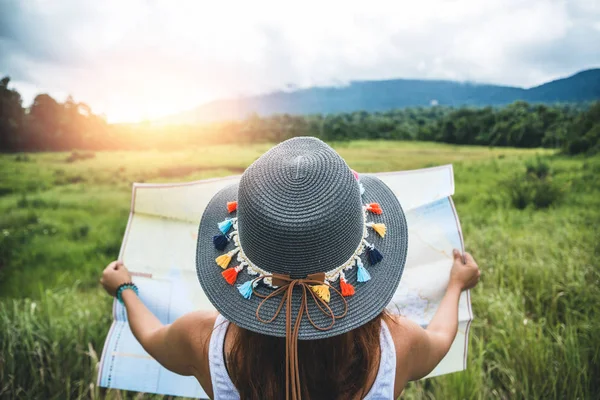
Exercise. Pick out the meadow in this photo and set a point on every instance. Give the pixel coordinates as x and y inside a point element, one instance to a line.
<point>530,217</point>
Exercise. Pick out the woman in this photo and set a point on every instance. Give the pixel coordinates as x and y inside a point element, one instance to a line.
<point>300,258</point>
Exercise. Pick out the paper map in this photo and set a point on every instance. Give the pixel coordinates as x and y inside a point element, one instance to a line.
<point>159,247</point>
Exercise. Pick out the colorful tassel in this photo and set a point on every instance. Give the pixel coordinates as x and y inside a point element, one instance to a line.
<point>379,228</point>
<point>223,260</point>
<point>346,288</point>
<point>362,188</point>
<point>224,226</point>
<point>375,208</point>
<point>220,241</point>
<point>245,288</point>
<point>230,274</point>
<point>374,255</point>
<point>231,206</point>
<point>355,175</point>
<point>322,291</point>
<point>362,275</point>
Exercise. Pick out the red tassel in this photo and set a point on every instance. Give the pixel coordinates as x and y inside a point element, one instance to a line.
<point>230,275</point>
<point>232,206</point>
<point>375,208</point>
<point>347,289</point>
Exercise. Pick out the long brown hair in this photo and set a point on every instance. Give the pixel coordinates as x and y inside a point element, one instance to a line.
<point>332,368</point>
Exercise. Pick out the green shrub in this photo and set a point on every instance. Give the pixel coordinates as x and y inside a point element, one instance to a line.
<point>519,191</point>
<point>540,193</point>
<point>546,193</point>
<point>539,168</point>
<point>23,201</point>
<point>76,156</point>
<point>80,232</point>
<point>63,179</point>
<point>536,187</point>
<point>22,158</point>
<point>5,190</point>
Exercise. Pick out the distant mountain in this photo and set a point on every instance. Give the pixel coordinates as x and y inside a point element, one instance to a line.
<point>389,94</point>
<point>583,86</point>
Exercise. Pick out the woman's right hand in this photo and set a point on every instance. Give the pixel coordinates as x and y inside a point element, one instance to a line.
<point>115,274</point>
<point>465,274</point>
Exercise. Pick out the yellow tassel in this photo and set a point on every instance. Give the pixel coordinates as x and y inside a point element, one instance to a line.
<point>223,260</point>
<point>380,229</point>
<point>322,291</point>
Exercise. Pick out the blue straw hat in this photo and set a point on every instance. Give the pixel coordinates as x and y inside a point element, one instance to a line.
<point>302,235</point>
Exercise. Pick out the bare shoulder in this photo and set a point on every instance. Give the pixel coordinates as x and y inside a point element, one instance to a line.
<point>196,326</point>
<point>406,334</point>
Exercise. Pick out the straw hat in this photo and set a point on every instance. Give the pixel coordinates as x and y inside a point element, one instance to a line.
<point>304,233</point>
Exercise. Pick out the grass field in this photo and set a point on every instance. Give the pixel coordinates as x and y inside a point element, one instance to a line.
<point>536,329</point>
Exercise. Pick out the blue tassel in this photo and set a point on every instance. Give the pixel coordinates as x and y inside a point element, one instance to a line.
<point>362,188</point>
<point>224,226</point>
<point>362,275</point>
<point>220,241</point>
<point>374,255</point>
<point>245,289</point>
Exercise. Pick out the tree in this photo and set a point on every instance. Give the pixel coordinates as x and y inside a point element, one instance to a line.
<point>584,135</point>
<point>44,124</point>
<point>11,116</point>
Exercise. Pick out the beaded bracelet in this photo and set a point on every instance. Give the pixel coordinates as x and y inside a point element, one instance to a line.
<point>123,287</point>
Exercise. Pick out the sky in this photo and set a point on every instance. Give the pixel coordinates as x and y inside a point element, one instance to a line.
<point>133,60</point>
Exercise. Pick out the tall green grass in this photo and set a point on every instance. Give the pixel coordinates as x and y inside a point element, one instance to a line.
<point>536,329</point>
<point>50,345</point>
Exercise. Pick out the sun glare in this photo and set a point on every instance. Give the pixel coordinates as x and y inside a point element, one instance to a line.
<point>135,109</point>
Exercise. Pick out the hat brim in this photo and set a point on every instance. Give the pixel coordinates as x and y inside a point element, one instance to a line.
<point>370,297</point>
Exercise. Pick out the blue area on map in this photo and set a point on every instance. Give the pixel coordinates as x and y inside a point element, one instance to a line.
<point>442,214</point>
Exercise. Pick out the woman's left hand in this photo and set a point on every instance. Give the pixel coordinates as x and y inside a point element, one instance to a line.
<point>115,274</point>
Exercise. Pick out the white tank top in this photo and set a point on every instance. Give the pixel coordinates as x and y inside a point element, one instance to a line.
<point>223,388</point>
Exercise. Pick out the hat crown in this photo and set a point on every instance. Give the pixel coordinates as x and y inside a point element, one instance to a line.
<point>299,209</point>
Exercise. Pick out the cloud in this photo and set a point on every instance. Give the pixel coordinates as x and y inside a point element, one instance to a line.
<point>139,58</point>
